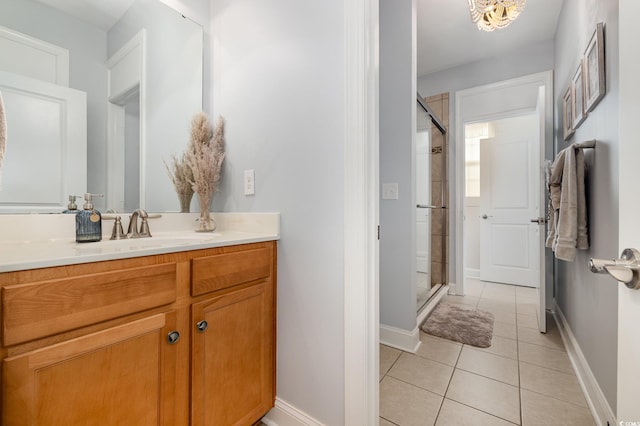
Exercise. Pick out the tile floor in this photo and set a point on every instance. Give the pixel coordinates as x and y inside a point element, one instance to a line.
<point>524,378</point>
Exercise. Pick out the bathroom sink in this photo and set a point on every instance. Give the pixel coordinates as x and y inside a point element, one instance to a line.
<point>166,239</point>
<point>157,241</point>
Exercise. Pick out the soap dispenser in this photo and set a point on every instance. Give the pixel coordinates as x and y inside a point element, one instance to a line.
<point>72,208</point>
<point>88,221</point>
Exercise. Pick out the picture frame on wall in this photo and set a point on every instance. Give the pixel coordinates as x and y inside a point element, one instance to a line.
<point>595,78</point>
<point>567,113</point>
<point>578,101</point>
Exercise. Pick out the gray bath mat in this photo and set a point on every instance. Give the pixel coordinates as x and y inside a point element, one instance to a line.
<point>469,326</point>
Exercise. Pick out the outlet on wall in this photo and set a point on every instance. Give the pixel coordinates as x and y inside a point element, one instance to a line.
<point>249,182</point>
<point>389,191</point>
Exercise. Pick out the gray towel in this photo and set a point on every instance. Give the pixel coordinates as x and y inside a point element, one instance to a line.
<point>568,207</point>
<point>3,136</point>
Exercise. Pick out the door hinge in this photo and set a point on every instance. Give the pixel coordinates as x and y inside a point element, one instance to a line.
<point>378,232</point>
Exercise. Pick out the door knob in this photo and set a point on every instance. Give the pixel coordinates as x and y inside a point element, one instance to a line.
<point>539,221</point>
<point>626,269</point>
<point>485,216</point>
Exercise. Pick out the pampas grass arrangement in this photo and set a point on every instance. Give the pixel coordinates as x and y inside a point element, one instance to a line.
<point>204,156</point>
<point>181,176</point>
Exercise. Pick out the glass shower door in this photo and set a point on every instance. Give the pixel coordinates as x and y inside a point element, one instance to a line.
<point>423,202</point>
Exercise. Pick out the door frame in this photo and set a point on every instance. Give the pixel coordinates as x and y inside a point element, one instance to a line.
<point>361,213</point>
<point>126,74</point>
<point>462,115</point>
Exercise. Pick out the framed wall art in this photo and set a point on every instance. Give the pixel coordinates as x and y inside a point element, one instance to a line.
<point>567,113</point>
<point>594,72</point>
<point>578,105</point>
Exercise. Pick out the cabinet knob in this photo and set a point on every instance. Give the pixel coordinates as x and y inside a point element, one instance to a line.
<point>202,326</point>
<point>173,337</point>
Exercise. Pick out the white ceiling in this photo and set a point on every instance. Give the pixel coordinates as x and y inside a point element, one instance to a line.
<point>447,37</point>
<point>101,13</point>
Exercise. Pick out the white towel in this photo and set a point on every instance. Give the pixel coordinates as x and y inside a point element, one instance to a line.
<point>3,136</point>
<point>567,205</point>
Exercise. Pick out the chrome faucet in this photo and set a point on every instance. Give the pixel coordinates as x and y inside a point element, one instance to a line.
<point>134,231</point>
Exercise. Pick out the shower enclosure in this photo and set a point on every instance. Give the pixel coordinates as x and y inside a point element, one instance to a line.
<point>431,208</point>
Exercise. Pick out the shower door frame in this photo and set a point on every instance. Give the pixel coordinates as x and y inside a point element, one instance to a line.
<point>435,121</point>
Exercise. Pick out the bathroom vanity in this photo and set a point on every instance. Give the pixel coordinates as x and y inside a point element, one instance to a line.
<point>173,333</point>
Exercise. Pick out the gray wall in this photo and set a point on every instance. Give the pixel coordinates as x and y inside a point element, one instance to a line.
<point>589,301</point>
<point>278,70</point>
<point>87,47</point>
<point>527,60</point>
<point>397,134</point>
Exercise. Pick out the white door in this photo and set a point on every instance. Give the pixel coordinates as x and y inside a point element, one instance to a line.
<point>542,199</point>
<point>46,154</point>
<point>509,199</point>
<point>628,409</point>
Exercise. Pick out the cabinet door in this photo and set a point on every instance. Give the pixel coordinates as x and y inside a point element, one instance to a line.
<point>124,375</point>
<point>233,357</point>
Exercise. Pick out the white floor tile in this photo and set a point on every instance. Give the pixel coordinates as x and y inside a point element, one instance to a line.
<point>440,350</point>
<point>524,376</point>
<point>424,373</point>
<point>551,383</point>
<point>489,365</point>
<point>493,397</point>
<point>531,335</point>
<point>542,410</point>
<point>405,404</point>
<point>545,357</point>
<point>505,329</point>
<point>388,356</point>
<point>502,346</point>
<point>529,321</point>
<point>453,413</point>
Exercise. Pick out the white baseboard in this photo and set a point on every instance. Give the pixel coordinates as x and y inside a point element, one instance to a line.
<point>600,408</point>
<point>472,273</point>
<point>285,414</point>
<point>408,341</point>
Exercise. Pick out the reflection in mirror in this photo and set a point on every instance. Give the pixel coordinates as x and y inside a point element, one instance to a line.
<point>137,75</point>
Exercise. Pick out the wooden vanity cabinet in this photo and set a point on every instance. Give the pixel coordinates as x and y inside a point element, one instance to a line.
<point>233,342</point>
<point>121,375</point>
<point>167,348</point>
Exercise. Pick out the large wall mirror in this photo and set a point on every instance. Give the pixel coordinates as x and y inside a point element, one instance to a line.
<point>97,98</point>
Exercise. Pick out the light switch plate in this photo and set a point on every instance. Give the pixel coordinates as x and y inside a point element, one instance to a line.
<point>249,182</point>
<point>389,191</point>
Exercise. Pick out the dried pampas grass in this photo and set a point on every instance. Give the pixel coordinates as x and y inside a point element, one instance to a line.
<point>181,176</point>
<point>3,136</point>
<point>198,169</point>
<point>204,156</point>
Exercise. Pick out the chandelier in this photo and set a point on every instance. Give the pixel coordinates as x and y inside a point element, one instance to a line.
<point>494,14</point>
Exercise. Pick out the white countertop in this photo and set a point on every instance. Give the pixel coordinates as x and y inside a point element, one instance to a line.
<point>39,241</point>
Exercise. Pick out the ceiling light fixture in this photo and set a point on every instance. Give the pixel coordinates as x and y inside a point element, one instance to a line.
<point>490,15</point>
